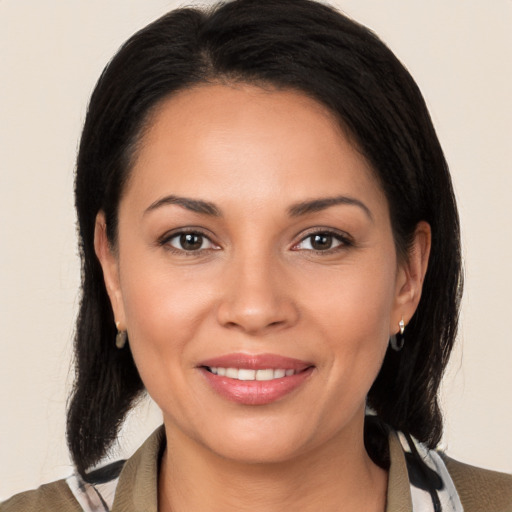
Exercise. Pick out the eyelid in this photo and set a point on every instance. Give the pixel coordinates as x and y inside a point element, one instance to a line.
<point>169,235</point>
<point>343,237</point>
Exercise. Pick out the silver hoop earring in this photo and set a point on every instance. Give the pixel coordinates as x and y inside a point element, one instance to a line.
<point>397,341</point>
<point>121,337</point>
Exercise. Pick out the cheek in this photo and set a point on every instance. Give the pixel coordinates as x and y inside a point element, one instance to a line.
<point>163,310</point>
<point>354,303</point>
<point>352,310</point>
<point>164,313</point>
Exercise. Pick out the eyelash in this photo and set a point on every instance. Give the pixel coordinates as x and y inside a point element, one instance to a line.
<point>343,238</point>
<point>165,241</point>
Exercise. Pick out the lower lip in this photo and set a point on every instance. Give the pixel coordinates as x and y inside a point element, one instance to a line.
<point>255,392</point>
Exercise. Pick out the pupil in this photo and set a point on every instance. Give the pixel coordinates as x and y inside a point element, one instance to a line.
<point>191,241</point>
<point>321,242</point>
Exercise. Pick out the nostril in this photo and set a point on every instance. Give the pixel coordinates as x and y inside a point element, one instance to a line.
<point>254,315</point>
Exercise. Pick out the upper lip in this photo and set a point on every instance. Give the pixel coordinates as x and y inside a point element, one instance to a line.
<point>256,362</point>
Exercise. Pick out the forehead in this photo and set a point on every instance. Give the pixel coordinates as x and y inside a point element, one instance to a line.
<point>230,141</point>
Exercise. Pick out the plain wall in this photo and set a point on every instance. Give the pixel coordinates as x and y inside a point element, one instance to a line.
<point>51,54</point>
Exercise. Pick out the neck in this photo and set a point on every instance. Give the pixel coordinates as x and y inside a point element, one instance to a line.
<point>337,476</point>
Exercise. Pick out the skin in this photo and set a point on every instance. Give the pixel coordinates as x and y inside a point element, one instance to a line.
<point>257,286</point>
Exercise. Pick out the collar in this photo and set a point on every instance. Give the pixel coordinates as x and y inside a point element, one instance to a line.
<point>138,481</point>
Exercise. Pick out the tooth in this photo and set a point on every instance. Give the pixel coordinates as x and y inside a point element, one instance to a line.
<point>265,374</point>
<point>232,373</point>
<point>244,374</point>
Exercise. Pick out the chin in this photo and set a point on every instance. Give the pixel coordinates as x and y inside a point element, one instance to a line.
<point>258,452</point>
<point>266,441</point>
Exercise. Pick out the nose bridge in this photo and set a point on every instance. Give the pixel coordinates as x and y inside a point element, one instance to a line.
<point>256,298</point>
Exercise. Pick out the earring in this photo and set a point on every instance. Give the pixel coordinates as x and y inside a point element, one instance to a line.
<point>397,341</point>
<point>121,337</point>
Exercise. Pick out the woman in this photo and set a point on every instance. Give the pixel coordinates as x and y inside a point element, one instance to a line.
<point>270,247</point>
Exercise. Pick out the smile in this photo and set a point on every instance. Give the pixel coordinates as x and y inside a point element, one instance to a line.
<point>258,379</point>
<point>248,374</point>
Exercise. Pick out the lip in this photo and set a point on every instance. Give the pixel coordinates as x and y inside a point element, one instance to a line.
<point>257,362</point>
<point>255,392</point>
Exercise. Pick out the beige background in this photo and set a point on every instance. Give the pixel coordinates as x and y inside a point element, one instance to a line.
<point>52,52</point>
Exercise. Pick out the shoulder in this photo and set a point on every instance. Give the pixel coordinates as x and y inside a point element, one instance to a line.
<point>480,490</point>
<point>137,479</point>
<point>72,494</point>
<point>53,496</point>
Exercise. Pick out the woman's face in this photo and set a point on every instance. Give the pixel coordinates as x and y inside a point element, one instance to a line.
<point>255,273</point>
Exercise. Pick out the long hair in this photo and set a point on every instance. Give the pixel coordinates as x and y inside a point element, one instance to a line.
<point>289,44</point>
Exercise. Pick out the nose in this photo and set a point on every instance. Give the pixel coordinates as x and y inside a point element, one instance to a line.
<point>258,297</point>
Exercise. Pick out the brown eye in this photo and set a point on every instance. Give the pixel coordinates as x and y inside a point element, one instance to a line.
<point>321,242</point>
<point>190,242</point>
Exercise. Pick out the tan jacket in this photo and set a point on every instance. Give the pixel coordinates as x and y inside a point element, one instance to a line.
<point>480,490</point>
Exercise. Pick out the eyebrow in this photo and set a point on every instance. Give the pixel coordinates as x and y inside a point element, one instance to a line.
<point>316,205</point>
<point>194,205</point>
<point>296,210</point>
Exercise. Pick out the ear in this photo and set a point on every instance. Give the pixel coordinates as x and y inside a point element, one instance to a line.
<point>110,265</point>
<point>410,277</point>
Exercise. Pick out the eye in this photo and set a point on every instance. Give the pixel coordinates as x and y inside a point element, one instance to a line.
<point>190,242</point>
<point>321,242</point>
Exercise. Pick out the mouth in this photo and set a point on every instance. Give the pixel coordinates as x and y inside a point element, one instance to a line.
<point>255,379</point>
<point>247,374</point>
